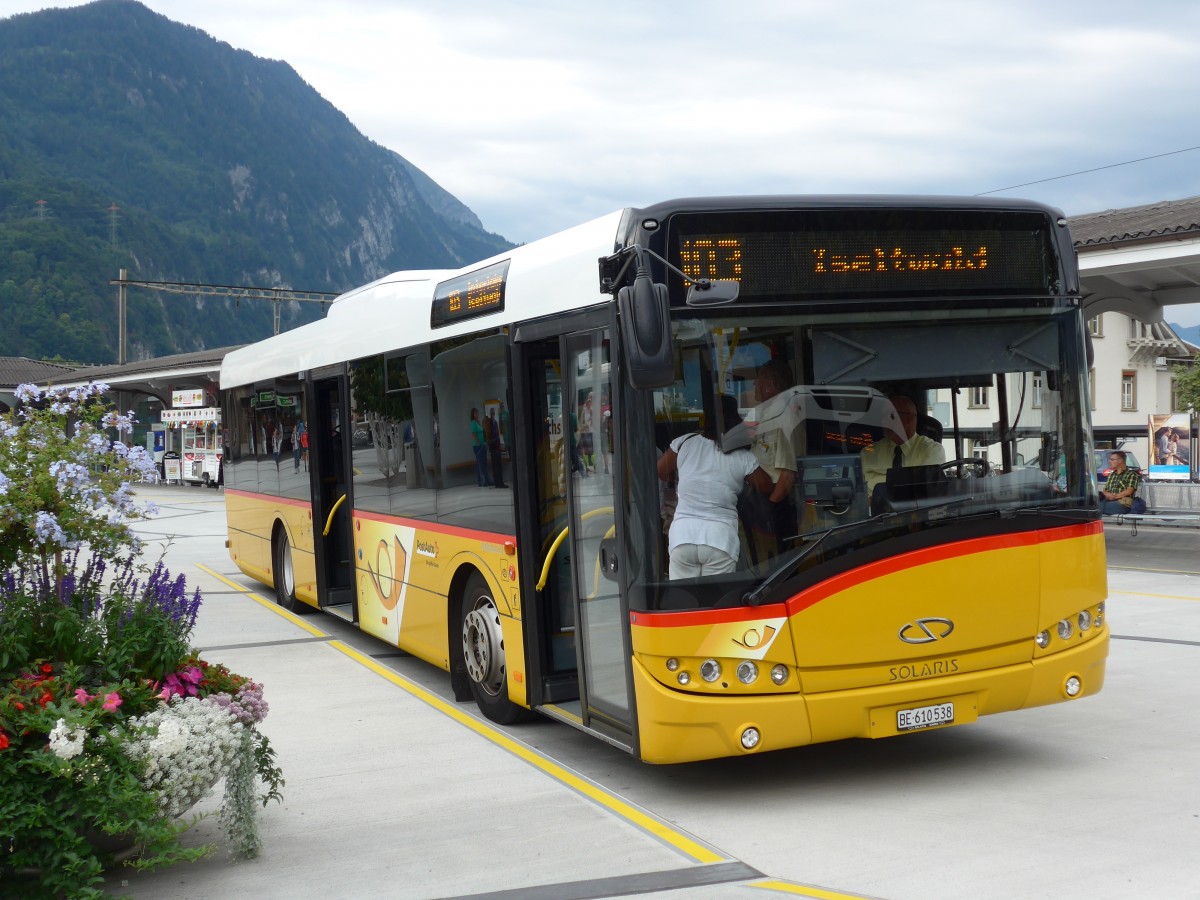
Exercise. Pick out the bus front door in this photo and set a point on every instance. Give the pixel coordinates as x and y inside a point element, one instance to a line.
<point>578,624</point>
<point>333,537</point>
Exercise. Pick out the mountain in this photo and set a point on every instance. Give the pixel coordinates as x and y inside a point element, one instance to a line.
<point>1190,333</point>
<point>131,141</point>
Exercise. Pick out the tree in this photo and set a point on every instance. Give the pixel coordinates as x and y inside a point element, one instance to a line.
<point>1187,387</point>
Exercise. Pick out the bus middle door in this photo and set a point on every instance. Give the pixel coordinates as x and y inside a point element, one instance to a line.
<point>581,626</point>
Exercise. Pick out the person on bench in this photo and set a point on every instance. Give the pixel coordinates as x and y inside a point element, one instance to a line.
<point>1119,494</point>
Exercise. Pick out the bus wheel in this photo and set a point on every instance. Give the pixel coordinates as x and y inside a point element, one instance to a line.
<point>483,654</point>
<point>285,575</point>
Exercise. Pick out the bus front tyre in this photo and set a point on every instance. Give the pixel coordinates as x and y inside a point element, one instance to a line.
<point>285,575</point>
<point>483,654</point>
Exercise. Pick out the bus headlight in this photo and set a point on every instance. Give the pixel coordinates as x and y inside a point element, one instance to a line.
<point>1084,620</point>
<point>747,672</point>
<point>779,673</point>
<point>672,665</point>
<point>1042,639</point>
<point>684,678</point>
<point>710,670</point>
<point>1065,629</point>
<point>1072,686</point>
<point>750,738</point>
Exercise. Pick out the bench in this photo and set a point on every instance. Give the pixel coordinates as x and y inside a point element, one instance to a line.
<point>1176,520</point>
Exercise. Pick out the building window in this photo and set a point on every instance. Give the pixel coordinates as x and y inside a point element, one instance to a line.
<point>1096,327</point>
<point>978,398</point>
<point>1038,380</point>
<point>1128,390</point>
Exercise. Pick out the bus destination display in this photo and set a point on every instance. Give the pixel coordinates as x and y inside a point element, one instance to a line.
<point>899,262</point>
<point>477,293</point>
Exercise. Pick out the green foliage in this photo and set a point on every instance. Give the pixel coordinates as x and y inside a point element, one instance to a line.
<point>63,480</point>
<point>226,169</point>
<point>1187,386</point>
<point>110,725</point>
<point>63,820</point>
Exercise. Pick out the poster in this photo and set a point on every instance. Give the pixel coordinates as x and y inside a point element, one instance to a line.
<point>1170,447</point>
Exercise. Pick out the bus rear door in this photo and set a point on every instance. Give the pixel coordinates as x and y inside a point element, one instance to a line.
<point>333,538</point>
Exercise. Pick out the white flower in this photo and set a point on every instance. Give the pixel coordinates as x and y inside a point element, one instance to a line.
<point>66,742</point>
<point>186,748</point>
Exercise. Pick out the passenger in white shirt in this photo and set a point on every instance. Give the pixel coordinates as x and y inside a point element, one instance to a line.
<point>703,539</point>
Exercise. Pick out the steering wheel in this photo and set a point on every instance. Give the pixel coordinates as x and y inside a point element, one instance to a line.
<point>967,467</point>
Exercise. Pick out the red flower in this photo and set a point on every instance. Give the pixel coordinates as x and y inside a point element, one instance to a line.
<point>45,698</point>
<point>47,668</point>
<point>18,704</point>
<point>3,741</point>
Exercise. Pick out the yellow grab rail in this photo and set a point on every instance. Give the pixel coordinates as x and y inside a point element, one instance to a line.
<point>602,511</point>
<point>329,521</point>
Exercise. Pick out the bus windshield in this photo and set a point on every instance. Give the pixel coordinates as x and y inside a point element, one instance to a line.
<point>872,426</point>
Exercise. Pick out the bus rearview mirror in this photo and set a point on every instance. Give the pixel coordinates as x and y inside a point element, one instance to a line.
<point>645,317</point>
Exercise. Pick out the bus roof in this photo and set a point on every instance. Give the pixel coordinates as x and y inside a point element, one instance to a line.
<point>550,275</point>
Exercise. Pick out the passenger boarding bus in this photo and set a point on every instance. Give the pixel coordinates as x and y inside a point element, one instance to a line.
<point>869,599</point>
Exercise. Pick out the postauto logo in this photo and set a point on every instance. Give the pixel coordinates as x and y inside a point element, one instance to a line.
<point>925,631</point>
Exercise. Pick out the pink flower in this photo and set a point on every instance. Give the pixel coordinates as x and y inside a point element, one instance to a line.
<point>111,701</point>
<point>82,697</point>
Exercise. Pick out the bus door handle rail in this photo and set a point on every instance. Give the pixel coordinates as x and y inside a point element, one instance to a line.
<point>562,536</point>
<point>332,513</point>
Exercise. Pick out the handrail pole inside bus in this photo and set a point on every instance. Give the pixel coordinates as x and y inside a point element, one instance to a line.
<point>329,521</point>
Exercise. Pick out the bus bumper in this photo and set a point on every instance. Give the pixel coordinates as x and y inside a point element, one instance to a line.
<point>677,726</point>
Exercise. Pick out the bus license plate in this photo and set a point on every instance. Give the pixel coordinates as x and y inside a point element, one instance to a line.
<point>924,716</point>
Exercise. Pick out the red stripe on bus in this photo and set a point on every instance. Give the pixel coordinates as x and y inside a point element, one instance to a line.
<point>270,498</point>
<point>422,525</point>
<point>419,524</point>
<point>862,575</point>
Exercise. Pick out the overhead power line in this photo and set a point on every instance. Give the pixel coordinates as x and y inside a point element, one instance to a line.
<point>237,292</point>
<point>1127,162</point>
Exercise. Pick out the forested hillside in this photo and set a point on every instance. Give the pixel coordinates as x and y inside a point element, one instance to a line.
<point>131,141</point>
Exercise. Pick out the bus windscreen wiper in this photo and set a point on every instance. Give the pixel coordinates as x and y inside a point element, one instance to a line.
<point>754,597</point>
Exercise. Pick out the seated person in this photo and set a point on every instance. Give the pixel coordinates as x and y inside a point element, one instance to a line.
<point>1119,494</point>
<point>900,446</point>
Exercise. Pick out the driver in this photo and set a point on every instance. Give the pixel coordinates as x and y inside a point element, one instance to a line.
<point>901,446</point>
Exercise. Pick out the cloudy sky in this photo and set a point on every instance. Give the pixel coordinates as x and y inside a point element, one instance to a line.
<point>539,114</point>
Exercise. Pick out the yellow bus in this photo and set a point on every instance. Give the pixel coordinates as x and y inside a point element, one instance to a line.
<point>470,471</point>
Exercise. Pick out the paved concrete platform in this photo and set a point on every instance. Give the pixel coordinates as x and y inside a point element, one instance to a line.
<point>392,791</point>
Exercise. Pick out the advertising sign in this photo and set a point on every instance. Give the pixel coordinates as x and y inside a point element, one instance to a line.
<point>185,416</point>
<point>1170,447</point>
<point>189,397</point>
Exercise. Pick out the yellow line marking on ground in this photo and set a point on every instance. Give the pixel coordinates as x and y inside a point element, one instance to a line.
<point>1148,594</point>
<point>681,842</point>
<point>803,890</point>
<point>269,604</point>
<point>598,795</point>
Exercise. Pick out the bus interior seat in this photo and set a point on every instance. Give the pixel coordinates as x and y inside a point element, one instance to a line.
<point>930,428</point>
